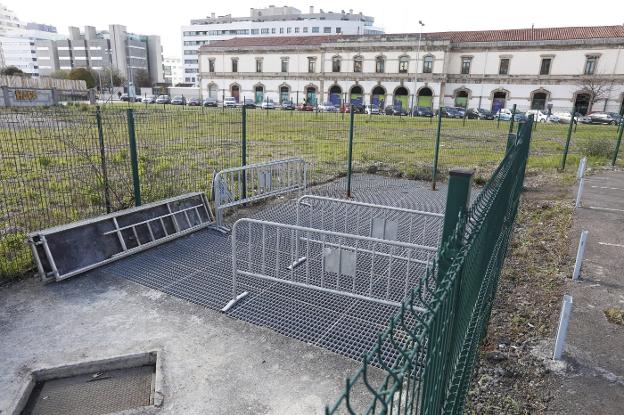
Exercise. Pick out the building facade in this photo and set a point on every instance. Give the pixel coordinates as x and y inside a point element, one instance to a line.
<point>173,72</point>
<point>271,21</point>
<point>116,48</point>
<point>556,68</point>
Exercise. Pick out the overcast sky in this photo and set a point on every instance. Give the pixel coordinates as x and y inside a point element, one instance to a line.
<point>164,18</point>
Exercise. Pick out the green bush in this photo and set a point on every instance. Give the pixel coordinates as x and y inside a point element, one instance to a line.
<point>597,148</point>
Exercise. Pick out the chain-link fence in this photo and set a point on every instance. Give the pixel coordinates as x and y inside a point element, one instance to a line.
<point>58,165</point>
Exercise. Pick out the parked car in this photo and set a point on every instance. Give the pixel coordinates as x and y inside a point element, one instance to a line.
<point>601,118</point>
<point>230,102</point>
<point>422,112</point>
<point>267,105</point>
<point>288,106</point>
<point>124,98</point>
<point>249,103</point>
<point>479,114</point>
<point>210,102</point>
<point>461,111</point>
<point>372,109</point>
<point>193,102</point>
<point>520,116</point>
<point>395,110</point>
<point>503,114</point>
<point>357,108</point>
<point>326,107</point>
<point>539,116</point>
<point>138,98</point>
<point>178,100</point>
<point>163,99</point>
<point>617,117</point>
<point>305,107</point>
<point>150,99</point>
<point>449,112</point>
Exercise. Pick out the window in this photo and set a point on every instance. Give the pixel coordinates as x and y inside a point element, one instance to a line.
<point>338,30</point>
<point>258,65</point>
<point>315,29</point>
<point>545,66</point>
<point>327,29</point>
<point>503,66</point>
<point>255,31</point>
<point>590,65</point>
<point>284,64</point>
<point>273,30</point>
<point>296,30</point>
<point>211,65</point>
<point>289,30</point>
<point>281,30</point>
<point>311,65</point>
<point>428,64</point>
<point>336,64</point>
<point>403,64</point>
<point>264,31</point>
<point>234,64</point>
<point>465,65</point>
<point>357,64</point>
<point>305,30</point>
<point>380,64</point>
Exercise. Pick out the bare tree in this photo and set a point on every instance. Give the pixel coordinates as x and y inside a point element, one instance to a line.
<point>597,88</point>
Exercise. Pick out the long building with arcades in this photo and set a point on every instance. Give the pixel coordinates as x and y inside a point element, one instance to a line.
<point>537,68</point>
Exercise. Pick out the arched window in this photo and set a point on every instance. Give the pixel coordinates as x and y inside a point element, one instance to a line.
<point>259,94</point>
<point>356,96</point>
<point>380,64</point>
<point>403,64</point>
<point>357,64</point>
<point>425,97</point>
<point>235,92</point>
<point>428,64</point>
<point>499,100</point>
<point>336,64</point>
<point>284,93</point>
<point>461,98</point>
<point>378,96</point>
<point>335,94</point>
<point>400,97</point>
<point>538,101</point>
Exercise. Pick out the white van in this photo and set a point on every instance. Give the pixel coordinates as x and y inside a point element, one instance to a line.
<point>230,102</point>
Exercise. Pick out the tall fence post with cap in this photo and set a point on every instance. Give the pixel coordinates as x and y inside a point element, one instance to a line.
<point>134,159</point>
<point>244,151</point>
<point>98,120</point>
<point>619,137</point>
<point>350,151</point>
<point>567,144</point>
<point>436,150</point>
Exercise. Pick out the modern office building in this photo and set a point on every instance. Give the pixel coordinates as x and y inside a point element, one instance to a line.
<point>557,68</point>
<point>271,21</point>
<point>116,48</point>
<point>173,71</point>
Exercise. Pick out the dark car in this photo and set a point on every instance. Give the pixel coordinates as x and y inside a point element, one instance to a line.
<point>150,99</point>
<point>479,114</point>
<point>193,102</point>
<point>210,102</point>
<point>124,97</point>
<point>163,99</point>
<point>138,98</point>
<point>423,112</point>
<point>449,112</point>
<point>395,110</point>
<point>602,118</point>
<point>305,107</point>
<point>617,117</point>
<point>358,108</point>
<point>178,100</point>
<point>249,103</point>
<point>461,112</point>
<point>288,106</point>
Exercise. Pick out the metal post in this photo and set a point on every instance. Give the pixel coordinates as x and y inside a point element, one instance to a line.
<point>244,151</point>
<point>350,151</point>
<point>579,193</point>
<point>513,116</point>
<point>134,160</point>
<point>98,119</point>
<point>562,332</point>
<point>619,138</point>
<point>580,253</point>
<point>567,145</point>
<point>580,173</point>
<point>457,200</point>
<point>436,150</point>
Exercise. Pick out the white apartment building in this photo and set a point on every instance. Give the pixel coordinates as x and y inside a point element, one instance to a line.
<point>272,21</point>
<point>532,68</point>
<point>173,72</point>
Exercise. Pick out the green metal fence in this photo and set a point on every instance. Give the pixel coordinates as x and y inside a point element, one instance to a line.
<point>59,165</point>
<point>429,349</point>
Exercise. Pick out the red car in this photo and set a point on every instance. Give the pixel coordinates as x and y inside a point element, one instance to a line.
<point>305,107</point>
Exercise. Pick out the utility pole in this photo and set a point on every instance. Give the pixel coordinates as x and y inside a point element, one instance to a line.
<point>415,96</point>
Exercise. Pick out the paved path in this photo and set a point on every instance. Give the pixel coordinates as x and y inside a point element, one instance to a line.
<point>594,381</point>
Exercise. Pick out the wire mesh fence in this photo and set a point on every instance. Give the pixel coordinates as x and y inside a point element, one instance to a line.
<point>58,165</point>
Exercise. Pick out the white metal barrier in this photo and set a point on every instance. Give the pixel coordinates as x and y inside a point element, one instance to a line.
<point>355,266</point>
<point>366,219</point>
<point>253,182</point>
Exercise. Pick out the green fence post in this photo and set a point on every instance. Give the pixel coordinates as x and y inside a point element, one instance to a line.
<point>567,144</point>
<point>513,116</point>
<point>134,160</point>
<point>244,151</point>
<point>350,151</point>
<point>457,200</point>
<point>511,141</point>
<point>436,150</point>
<point>98,119</point>
<point>619,137</point>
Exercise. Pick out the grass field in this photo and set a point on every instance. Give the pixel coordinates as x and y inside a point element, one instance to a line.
<point>54,164</point>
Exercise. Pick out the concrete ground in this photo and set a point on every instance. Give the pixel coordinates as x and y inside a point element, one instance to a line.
<point>212,364</point>
<point>594,379</point>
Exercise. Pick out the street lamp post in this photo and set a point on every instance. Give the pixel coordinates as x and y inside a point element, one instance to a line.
<point>415,96</point>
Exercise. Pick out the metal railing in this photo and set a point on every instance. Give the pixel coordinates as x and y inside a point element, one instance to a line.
<point>345,264</point>
<point>239,185</point>
<point>367,219</point>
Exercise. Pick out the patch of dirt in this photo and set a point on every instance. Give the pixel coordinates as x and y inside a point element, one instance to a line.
<point>509,378</point>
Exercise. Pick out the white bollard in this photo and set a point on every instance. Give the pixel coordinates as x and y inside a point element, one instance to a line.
<point>562,332</point>
<point>579,193</point>
<point>580,253</point>
<point>580,173</point>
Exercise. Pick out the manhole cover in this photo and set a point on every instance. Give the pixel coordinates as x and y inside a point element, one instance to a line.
<point>98,392</point>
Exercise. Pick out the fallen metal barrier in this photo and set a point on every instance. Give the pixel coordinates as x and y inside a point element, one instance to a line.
<point>344,264</point>
<point>239,185</point>
<point>64,251</point>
